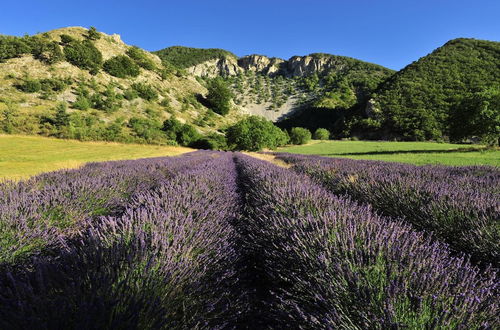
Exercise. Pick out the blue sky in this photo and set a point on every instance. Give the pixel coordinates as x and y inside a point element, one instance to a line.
<point>390,33</point>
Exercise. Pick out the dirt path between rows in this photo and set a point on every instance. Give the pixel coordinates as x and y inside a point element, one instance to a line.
<point>269,158</point>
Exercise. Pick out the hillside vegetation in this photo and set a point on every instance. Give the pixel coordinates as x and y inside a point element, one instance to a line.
<point>432,96</point>
<point>82,84</point>
<point>184,57</point>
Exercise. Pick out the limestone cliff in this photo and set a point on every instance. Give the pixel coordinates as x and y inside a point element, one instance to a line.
<point>310,64</point>
<point>215,67</point>
<point>261,64</point>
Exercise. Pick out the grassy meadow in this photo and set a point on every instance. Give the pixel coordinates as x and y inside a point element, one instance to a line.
<point>24,156</point>
<point>418,153</point>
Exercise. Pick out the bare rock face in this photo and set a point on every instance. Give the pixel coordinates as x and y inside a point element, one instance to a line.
<point>116,37</point>
<point>297,66</point>
<point>371,108</point>
<point>260,64</point>
<point>217,67</point>
<point>307,65</point>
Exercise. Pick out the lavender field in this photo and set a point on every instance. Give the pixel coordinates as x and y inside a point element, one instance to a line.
<point>215,240</point>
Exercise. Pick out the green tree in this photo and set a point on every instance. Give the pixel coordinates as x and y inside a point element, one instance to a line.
<point>66,39</point>
<point>145,91</point>
<point>107,100</point>
<point>93,34</point>
<point>84,55</point>
<point>61,118</point>
<point>147,129</point>
<point>212,141</point>
<point>30,86</point>
<point>8,118</point>
<point>45,50</point>
<point>187,135</point>
<point>255,133</point>
<point>81,103</point>
<point>321,134</point>
<point>477,115</point>
<point>184,134</point>
<point>171,126</point>
<point>11,47</point>
<point>300,135</point>
<point>219,96</point>
<point>140,57</point>
<point>121,66</point>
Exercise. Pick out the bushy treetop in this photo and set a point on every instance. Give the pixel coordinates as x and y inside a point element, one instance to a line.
<point>255,133</point>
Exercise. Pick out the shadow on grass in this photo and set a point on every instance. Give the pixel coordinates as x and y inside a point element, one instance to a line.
<point>392,152</point>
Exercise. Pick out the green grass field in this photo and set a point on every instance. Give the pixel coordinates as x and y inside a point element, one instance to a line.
<point>418,153</point>
<point>24,156</point>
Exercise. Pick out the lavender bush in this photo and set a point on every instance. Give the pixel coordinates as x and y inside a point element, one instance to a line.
<point>164,263</point>
<point>458,205</point>
<point>216,240</point>
<point>43,211</point>
<point>327,262</point>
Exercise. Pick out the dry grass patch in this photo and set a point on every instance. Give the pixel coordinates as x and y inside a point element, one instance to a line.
<point>268,158</point>
<point>25,156</point>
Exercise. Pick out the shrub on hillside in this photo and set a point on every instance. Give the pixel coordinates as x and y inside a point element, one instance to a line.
<point>30,86</point>
<point>8,118</point>
<point>166,71</point>
<point>81,103</point>
<point>211,141</point>
<point>255,133</point>
<point>145,91</point>
<point>66,39</point>
<point>300,135</point>
<point>11,47</point>
<point>321,134</point>
<point>45,50</point>
<point>54,84</point>
<point>147,129</point>
<point>61,120</point>
<point>93,34</point>
<point>108,100</point>
<point>140,58</point>
<point>121,66</point>
<point>219,96</point>
<point>187,135</point>
<point>84,55</point>
<point>184,134</point>
<point>130,94</point>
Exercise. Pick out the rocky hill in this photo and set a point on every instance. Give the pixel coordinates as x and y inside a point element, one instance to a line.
<point>275,88</point>
<point>112,91</point>
<point>80,83</point>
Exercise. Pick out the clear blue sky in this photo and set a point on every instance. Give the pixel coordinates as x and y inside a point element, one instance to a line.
<point>390,33</point>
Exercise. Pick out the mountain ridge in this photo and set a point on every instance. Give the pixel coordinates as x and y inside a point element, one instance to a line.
<point>131,91</point>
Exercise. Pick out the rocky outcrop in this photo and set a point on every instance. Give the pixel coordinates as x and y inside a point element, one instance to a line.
<point>371,108</point>
<point>261,64</point>
<point>296,66</point>
<point>217,67</point>
<point>307,65</point>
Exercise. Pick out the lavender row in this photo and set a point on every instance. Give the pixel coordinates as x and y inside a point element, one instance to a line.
<point>45,210</point>
<point>167,262</point>
<point>460,206</point>
<point>327,262</point>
